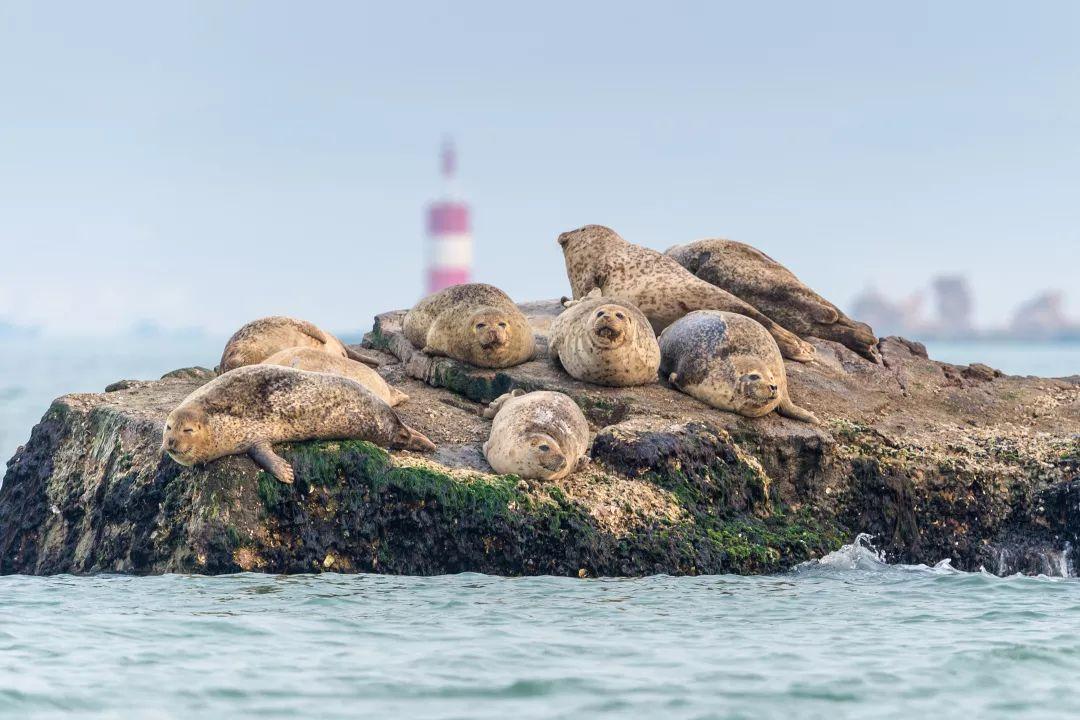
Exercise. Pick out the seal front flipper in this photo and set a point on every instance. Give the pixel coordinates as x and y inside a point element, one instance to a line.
<point>495,405</point>
<point>264,456</point>
<point>363,356</point>
<point>793,411</point>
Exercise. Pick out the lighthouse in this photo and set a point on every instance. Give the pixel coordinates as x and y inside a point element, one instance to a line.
<point>449,240</point>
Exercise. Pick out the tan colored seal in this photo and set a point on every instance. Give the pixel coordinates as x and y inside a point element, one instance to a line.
<point>605,341</point>
<point>730,362</point>
<point>315,360</point>
<point>476,323</point>
<point>596,257</point>
<point>260,339</point>
<point>540,435</point>
<point>247,409</point>
<point>754,277</point>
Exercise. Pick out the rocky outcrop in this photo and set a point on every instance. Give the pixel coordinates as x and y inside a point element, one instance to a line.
<point>936,461</point>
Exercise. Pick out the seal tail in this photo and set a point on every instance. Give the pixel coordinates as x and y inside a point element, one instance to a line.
<point>363,356</point>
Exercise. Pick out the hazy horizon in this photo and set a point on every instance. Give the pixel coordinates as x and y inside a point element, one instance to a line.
<point>204,164</point>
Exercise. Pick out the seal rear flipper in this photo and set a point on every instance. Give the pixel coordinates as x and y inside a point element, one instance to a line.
<point>793,411</point>
<point>396,396</point>
<point>791,345</point>
<point>363,356</point>
<point>264,456</point>
<point>312,331</point>
<point>410,439</point>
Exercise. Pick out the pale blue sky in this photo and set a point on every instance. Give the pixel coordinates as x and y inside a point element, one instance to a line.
<point>204,163</point>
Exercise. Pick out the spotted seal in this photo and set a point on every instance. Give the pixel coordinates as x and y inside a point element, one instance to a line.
<point>248,409</point>
<point>261,338</point>
<point>596,256</point>
<point>728,361</point>
<point>541,435</point>
<point>753,276</point>
<point>605,341</point>
<point>475,323</point>
<point>315,360</point>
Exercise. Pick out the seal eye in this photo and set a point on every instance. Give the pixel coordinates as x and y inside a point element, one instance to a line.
<point>544,448</point>
<point>620,316</point>
<point>600,314</point>
<point>481,326</point>
<point>755,376</point>
<point>502,325</point>
<point>189,430</point>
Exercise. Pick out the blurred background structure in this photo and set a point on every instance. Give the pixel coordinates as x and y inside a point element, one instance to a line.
<point>449,252</point>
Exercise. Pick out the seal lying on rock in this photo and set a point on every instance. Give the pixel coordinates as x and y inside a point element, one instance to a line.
<point>260,339</point>
<point>605,341</point>
<point>596,256</point>
<point>753,276</point>
<point>315,360</point>
<point>540,435</point>
<point>730,362</point>
<point>476,323</point>
<point>247,409</point>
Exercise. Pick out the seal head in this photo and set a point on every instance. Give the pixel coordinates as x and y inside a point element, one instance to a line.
<point>187,436</point>
<point>609,326</point>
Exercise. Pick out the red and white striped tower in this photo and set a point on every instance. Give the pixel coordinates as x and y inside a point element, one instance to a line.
<point>449,244</point>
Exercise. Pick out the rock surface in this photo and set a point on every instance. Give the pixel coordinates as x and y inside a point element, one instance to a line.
<point>935,461</point>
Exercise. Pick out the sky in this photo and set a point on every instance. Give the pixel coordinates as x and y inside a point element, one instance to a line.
<point>206,163</point>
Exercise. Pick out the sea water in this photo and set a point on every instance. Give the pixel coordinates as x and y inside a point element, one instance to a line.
<point>846,637</point>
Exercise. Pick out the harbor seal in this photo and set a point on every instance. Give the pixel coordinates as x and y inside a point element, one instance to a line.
<point>597,257</point>
<point>541,435</point>
<point>315,360</point>
<point>261,338</point>
<point>728,361</point>
<point>605,341</point>
<point>248,409</point>
<point>754,277</point>
<point>476,323</point>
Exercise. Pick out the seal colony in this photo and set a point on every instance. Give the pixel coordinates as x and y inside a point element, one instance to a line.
<point>727,314</point>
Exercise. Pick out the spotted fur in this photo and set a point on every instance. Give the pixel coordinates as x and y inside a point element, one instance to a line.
<point>475,323</point>
<point>728,361</point>
<point>248,409</point>
<point>540,435</point>
<point>605,341</point>
<point>597,257</point>
<point>756,278</point>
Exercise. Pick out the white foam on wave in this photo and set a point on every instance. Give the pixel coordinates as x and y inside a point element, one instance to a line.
<point>861,555</point>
